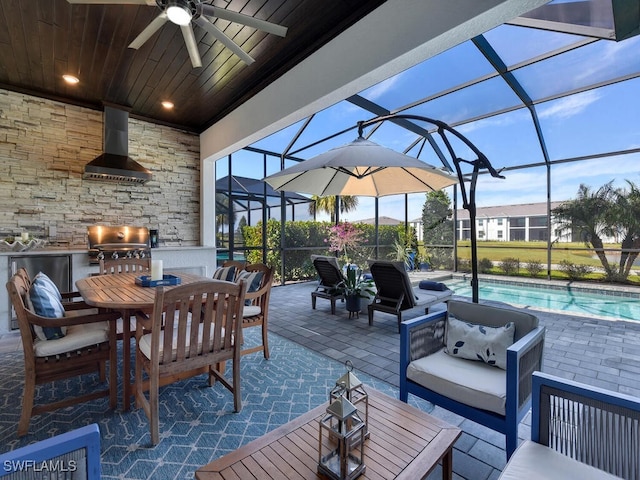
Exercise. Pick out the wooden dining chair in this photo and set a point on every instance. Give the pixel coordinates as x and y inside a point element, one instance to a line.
<point>66,343</point>
<point>180,347</point>
<point>259,278</point>
<point>109,266</point>
<point>125,265</point>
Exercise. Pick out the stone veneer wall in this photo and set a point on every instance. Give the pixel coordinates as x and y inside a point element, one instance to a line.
<point>44,146</point>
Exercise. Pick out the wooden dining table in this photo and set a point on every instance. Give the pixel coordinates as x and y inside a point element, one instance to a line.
<point>119,292</point>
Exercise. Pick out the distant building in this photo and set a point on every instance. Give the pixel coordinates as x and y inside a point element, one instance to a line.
<point>381,221</point>
<point>524,222</point>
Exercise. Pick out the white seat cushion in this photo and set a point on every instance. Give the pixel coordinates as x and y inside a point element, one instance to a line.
<point>78,336</point>
<point>473,383</point>
<point>429,297</point>
<point>537,462</point>
<point>250,311</point>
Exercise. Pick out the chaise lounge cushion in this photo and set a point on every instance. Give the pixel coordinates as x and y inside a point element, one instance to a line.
<point>430,297</point>
<point>474,383</point>
<point>534,461</point>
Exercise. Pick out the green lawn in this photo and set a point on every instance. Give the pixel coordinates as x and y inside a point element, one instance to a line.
<point>533,251</point>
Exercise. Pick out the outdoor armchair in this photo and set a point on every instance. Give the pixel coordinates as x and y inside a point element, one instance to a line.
<point>491,393</point>
<point>331,283</point>
<point>125,265</point>
<point>578,431</point>
<point>179,346</point>
<point>259,278</point>
<point>66,340</point>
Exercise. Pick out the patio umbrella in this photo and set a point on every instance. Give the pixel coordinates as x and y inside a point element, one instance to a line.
<point>361,168</point>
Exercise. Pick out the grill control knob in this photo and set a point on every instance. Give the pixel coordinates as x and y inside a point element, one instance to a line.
<point>115,255</point>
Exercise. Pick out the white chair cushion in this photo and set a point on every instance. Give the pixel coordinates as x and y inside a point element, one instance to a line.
<point>537,462</point>
<point>250,311</point>
<point>78,336</point>
<point>429,297</point>
<point>474,383</point>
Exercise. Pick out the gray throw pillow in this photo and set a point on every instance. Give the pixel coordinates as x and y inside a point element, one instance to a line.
<point>472,341</point>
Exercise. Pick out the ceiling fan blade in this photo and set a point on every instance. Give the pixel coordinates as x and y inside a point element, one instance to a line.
<point>243,19</point>
<point>151,3</point>
<point>226,41</point>
<point>152,28</point>
<point>192,46</point>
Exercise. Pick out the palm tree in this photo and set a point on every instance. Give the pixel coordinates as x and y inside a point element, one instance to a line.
<point>328,205</point>
<point>626,218</point>
<point>589,215</point>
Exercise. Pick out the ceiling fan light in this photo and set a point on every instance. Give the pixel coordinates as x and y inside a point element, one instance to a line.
<point>179,14</point>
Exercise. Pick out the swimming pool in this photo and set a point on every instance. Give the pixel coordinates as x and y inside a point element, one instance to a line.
<point>570,300</point>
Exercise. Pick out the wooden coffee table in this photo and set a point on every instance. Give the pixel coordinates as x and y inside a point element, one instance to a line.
<point>404,443</point>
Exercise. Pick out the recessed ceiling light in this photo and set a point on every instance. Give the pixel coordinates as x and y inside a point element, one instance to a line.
<point>71,79</point>
<point>168,105</point>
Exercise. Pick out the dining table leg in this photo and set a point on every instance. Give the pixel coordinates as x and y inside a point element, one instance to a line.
<point>126,361</point>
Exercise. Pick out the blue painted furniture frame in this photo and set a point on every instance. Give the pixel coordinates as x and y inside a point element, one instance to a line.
<point>619,455</point>
<point>32,456</point>
<point>523,358</point>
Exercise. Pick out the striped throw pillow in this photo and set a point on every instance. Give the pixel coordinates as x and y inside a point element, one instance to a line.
<point>225,273</point>
<point>46,300</point>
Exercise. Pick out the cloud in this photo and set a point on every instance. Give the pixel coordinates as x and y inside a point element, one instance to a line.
<point>568,106</point>
<point>382,88</point>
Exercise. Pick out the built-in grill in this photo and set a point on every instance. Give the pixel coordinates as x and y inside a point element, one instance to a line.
<point>117,242</point>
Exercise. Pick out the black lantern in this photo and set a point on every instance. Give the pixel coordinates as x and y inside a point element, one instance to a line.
<point>341,441</point>
<point>353,390</point>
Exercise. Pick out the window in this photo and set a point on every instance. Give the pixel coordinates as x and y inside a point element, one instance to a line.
<point>500,234</point>
<point>538,221</point>
<point>518,222</point>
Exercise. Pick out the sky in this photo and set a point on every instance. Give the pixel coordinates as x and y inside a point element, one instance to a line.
<point>586,123</point>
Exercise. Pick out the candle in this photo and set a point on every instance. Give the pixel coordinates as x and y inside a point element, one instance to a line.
<point>25,236</point>
<point>156,269</point>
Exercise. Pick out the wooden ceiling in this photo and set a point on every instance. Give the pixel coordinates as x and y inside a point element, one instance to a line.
<point>40,40</point>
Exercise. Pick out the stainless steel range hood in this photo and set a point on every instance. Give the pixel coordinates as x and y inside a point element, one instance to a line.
<point>115,165</point>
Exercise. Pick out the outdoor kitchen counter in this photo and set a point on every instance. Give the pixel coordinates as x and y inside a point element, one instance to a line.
<point>197,260</point>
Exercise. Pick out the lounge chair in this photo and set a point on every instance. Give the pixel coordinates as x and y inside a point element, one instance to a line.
<point>395,293</point>
<point>331,282</point>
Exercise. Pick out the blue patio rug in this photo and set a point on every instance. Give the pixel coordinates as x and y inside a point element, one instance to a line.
<point>197,423</point>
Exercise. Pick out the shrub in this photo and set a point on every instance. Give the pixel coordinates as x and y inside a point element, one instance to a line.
<point>574,271</point>
<point>485,265</point>
<point>534,268</point>
<point>510,265</point>
<point>464,265</point>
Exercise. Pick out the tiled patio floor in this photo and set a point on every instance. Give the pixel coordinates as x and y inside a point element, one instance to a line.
<point>597,352</point>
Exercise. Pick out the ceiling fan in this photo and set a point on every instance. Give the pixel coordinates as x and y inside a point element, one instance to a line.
<point>183,12</point>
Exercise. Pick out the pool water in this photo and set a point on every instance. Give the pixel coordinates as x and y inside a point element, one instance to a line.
<point>566,300</point>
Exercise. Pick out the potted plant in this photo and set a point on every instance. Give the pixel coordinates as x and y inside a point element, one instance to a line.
<point>423,261</point>
<point>355,288</point>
